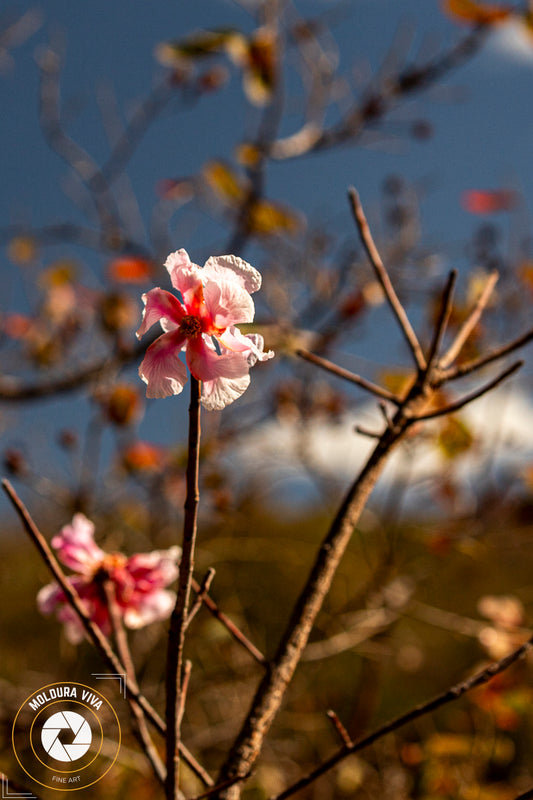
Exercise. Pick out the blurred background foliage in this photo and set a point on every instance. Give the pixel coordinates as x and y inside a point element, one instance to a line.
<point>437,579</point>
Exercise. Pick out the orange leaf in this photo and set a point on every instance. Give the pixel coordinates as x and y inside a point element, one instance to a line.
<point>129,269</point>
<point>478,201</point>
<point>476,13</point>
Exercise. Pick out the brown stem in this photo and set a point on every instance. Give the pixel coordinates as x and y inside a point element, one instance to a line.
<point>272,688</point>
<point>339,728</point>
<point>470,323</point>
<point>329,366</point>
<point>464,401</point>
<point>230,626</point>
<point>442,322</point>
<point>201,592</point>
<point>384,280</point>
<point>178,620</point>
<point>483,361</point>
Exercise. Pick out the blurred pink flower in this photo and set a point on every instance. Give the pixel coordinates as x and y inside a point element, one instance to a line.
<point>213,300</point>
<point>139,581</point>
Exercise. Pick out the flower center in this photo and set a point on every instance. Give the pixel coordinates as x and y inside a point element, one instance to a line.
<point>190,326</point>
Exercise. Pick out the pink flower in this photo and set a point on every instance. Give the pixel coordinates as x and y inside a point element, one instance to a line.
<point>213,300</point>
<point>139,581</point>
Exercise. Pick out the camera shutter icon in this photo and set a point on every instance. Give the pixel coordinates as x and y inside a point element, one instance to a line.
<point>79,732</point>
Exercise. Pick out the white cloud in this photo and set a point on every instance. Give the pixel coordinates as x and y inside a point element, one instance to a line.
<point>502,423</point>
<point>512,41</point>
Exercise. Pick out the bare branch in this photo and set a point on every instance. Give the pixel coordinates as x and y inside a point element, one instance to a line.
<point>483,361</point>
<point>442,321</point>
<point>329,366</point>
<point>200,597</point>
<point>384,280</point>
<point>139,720</point>
<point>339,728</point>
<point>448,696</point>
<point>230,626</point>
<point>470,323</point>
<point>487,387</point>
<point>178,620</point>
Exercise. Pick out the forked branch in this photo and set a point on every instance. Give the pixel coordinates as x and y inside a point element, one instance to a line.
<point>416,406</point>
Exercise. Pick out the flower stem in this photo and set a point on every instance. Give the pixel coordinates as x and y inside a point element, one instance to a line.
<point>178,620</point>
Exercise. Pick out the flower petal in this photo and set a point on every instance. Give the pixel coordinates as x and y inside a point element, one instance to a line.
<point>160,306</point>
<point>233,268</point>
<point>153,607</point>
<point>227,303</point>
<point>151,571</point>
<point>207,365</point>
<point>161,368</point>
<point>76,547</point>
<point>219,393</point>
<point>186,278</point>
<point>251,343</point>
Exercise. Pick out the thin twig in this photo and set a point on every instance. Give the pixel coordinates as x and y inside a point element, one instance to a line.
<point>329,366</point>
<point>94,633</point>
<point>185,679</point>
<point>442,322</point>
<point>483,361</point>
<point>470,323</point>
<point>384,280</point>
<point>139,720</point>
<point>362,431</point>
<point>487,387</point>
<point>448,696</point>
<point>200,596</point>
<point>230,626</point>
<point>178,619</point>
<point>339,728</point>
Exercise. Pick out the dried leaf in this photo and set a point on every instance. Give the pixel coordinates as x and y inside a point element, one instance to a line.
<point>129,269</point>
<point>224,181</point>
<point>198,45</point>
<point>268,218</point>
<point>259,66</point>
<point>454,438</point>
<point>476,13</point>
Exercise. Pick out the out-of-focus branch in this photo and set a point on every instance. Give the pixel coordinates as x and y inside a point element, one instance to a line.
<point>15,390</point>
<point>94,633</point>
<point>448,696</point>
<point>377,103</point>
<point>345,374</point>
<point>470,323</point>
<point>138,719</point>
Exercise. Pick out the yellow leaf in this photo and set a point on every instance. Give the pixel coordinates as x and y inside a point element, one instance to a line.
<point>270,219</point>
<point>197,45</point>
<point>224,181</point>
<point>454,438</point>
<point>247,154</point>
